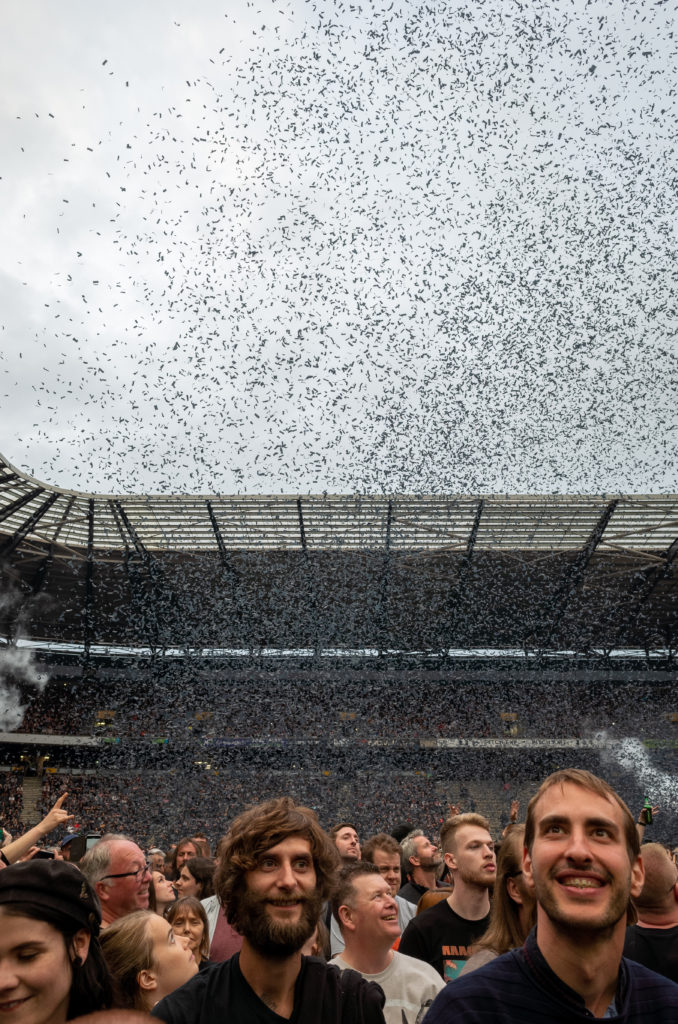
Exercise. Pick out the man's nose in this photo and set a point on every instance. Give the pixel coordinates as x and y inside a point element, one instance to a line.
<point>578,846</point>
<point>286,878</point>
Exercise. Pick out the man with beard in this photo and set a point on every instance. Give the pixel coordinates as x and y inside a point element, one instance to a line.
<point>421,860</point>
<point>582,859</point>
<point>443,934</point>
<point>276,868</point>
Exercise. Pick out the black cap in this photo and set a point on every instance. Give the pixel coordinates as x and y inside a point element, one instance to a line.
<point>57,891</point>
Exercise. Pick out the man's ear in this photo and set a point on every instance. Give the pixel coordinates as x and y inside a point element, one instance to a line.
<point>102,891</point>
<point>346,917</point>
<point>147,980</point>
<point>528,877</point>
<point>450,861</point>
<point>637,876</point>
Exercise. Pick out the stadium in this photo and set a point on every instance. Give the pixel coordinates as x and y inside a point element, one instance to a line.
<point>170,659</point>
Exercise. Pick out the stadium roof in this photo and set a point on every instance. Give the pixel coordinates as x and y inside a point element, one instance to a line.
<point>427,573</point>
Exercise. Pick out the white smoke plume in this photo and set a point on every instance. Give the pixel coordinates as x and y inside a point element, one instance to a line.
<point>661,788</point>
<point>17,670</point>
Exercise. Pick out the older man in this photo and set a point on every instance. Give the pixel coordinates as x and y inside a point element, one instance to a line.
<point>276,868</point>
<point>366,909</point>
<point>116,868</point>
<point>582,859</point>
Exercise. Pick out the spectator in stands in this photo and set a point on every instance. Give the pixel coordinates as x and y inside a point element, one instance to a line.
<point>15,849</point>
<point>188,918</point>
<point>163,894</point>
<point>52,966</point>
<point>422,860</point>
<point>345,838</point>
<point>117,870</point>
<point>513,911</point>
<point>146,960</point>
<point>202,843</point>
<point>582,858</point>
<point>196,878</point>
<point>275,871</point>
<point>156,859</point>
<point>383,851</point>
<point>653,940</point>
<point>443,934</point>
<point>365,907</point>
<point>183,851</point>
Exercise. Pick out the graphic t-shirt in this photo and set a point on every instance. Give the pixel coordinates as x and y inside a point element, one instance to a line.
<point>442,938</point>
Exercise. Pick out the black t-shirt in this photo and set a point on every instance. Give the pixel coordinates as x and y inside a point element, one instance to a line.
<point>442,938</point>
<point>220,995</point>
<point>656,948</point>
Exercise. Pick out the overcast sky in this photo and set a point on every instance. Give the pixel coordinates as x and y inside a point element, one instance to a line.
<point>287,246</point>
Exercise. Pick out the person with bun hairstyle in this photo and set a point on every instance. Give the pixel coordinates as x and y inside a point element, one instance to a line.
<point>51,965</point>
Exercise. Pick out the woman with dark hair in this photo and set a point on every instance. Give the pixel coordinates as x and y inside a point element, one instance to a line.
<point>188,918</point>
<point>196,878</point>
<point>49,936</point>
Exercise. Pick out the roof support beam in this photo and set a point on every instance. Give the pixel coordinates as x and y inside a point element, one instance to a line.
<point>13,542</point>
<point>456,591</point>
<point>382,615</point>
<point>653,579</point>
<point>151,593</point>
<point>89,583</point>
<point>572,577</point>
<point>302,531</point>
<point>14,506</point>
<point>229,570</point>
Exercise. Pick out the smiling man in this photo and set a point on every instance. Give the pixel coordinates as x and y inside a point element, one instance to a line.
<point>276,867</point>
<point>116,868</point>
<point>444,934</point>
<point>582,860</point>
<point>367,912</point>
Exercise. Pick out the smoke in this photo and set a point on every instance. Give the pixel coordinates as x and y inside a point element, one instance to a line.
<point>662,788</point>
<point>19,673</point>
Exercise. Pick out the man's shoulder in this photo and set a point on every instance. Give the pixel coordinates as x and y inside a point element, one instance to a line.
<point>440,911</point>
<point>500,991</point>
<point>411,965</point>
<point>651,984</point>
<point>186,1001</point>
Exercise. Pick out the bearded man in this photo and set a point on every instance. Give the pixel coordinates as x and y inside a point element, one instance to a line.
<point>276,868</point>
<point>443,935</point>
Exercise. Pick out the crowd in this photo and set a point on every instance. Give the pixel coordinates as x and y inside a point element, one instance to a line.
<point>282,919</point>
<point>290,710</point>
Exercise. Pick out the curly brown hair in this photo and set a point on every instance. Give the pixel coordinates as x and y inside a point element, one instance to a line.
<point>257,830</point>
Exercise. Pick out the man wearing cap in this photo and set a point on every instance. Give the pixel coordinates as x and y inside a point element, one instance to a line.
<point>116,868</point>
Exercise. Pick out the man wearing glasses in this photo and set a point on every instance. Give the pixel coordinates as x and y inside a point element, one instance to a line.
<point>116,868</point>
